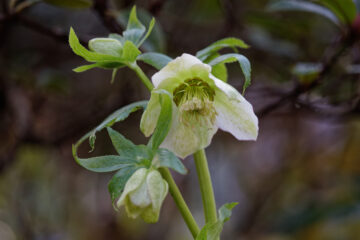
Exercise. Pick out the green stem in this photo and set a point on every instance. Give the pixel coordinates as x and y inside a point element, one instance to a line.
<point>180,202</point>
<point>141,75</point>
<point>173,188</point>
<point>206,187</point>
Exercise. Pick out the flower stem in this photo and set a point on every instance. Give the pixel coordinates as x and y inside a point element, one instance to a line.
<point>180,202</point>
<point>206,187</point>
<point>141,75</point>
<point>173,188</point>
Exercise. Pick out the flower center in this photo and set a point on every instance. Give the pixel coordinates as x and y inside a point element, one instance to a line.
<point>195,98</point>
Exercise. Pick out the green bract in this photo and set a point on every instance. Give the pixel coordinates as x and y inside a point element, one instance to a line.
<point>117,50</point>
<point>144,194</point>
<point>201,104</point>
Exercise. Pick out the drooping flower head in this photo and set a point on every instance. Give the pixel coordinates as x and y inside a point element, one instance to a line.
<point>144,194</point>
<point>201,104</point>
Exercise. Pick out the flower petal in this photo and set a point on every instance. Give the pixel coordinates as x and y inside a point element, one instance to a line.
<point>132,184</point>
<point>185,138</point>
<point>234,114</point>
<point>178,70</point>
<point>150,116</point>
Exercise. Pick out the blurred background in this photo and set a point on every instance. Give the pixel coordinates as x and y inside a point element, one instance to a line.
<point>299,180</point>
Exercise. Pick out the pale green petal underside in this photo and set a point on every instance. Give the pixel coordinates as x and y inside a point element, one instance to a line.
<point>185,138</point>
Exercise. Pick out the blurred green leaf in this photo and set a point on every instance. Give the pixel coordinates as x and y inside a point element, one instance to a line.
<point>165,158</point>
<point>233,57</point>
<point>230,42</point>
<point>70,3</point>
<point>164,121</point>
<point>292,5</point>
<point>118,181</point>
<point>135,29</point>
<point>130,52</point>
<point>157,60</point>
<point>151,26</point>
<point>154,39</point>
<point>117,116</point>
<point>107,163</point>
<point>86,54</point>
<point>306,72</point>
<point>345,10</point>
<point>212,231</point>
<point>219,70</point>
<point>109,65</point>
<point>123,146</point>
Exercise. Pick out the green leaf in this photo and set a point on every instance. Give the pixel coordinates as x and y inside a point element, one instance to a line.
<point>307,72</point>
<point>86,54</point>
<point>345,10</point>
<point>117,116</point>
<point>123,146</point>
<point>130,52</point>
<point>223,43</point>
<point>225,211</point>
<point>165,158</point>
<point>291,5</point>
<point>106,163</point>
<point>118,181</point>
<point>219,70</point>
<point>70,3</point>
<point>243,61</point>
<point>212,231</point>
<point>164,121</point>
<point>135,29</point>
<point>151,26</point>
<point>157,60</point>
<point>141,154</point>
<point>110,65</point>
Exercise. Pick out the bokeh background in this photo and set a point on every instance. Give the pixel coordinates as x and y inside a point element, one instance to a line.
<point>299,180</point>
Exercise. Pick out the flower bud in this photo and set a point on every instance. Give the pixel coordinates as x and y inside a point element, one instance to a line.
<point>107,46</point>
<point>144,194</point>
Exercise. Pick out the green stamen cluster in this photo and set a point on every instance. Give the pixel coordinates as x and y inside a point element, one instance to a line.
<point>195,99</point>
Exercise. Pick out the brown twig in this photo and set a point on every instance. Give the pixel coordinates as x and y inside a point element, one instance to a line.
<point>301,88</point>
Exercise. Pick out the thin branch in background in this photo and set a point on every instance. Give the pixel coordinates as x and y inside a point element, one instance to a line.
<point>299,89</point>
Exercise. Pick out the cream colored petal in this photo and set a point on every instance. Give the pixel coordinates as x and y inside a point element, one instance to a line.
<point>234,114</point>
<point>132,184</point>
<point>185,138</point>
<point>178,70</point>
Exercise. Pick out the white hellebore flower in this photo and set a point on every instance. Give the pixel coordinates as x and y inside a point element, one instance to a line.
<point>144,194</point>
<point>201,104</point>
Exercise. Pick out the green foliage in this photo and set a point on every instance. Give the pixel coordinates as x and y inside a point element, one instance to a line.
<point>292,5</point>
<point>345,10</point>
<point>234,57</point>
<point>70,3</point>
<point>118,116</point>
<point>154,39</point>
<point>307,72</point>
<point>165,158</point>
<point>157,60</point>
<point>212,231</point>
<point>220,44</point>
<point>116,51</point>
<point>164,120</point>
